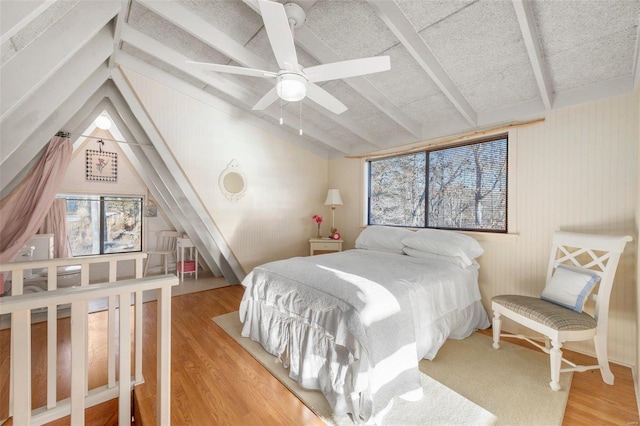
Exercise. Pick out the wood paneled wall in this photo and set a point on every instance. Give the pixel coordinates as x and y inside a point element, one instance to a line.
<point>576,171</point>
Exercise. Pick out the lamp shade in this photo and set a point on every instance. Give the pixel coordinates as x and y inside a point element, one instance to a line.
<point>333,198</point>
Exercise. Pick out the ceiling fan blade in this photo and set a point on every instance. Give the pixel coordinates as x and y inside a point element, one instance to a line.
<point>325,99</point>
<point>266,100</point>
<point>232,70</point>
<point>346,69</point>
<point>280,36</point>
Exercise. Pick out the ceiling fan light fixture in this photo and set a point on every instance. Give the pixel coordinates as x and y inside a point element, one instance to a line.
<point>291,87</point>
<point>103,122</point>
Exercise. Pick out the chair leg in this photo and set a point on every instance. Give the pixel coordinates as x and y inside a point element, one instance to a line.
<point>496,325</point>
<point>146,265</point>
<point>556,361</point>
<point>600,342</point>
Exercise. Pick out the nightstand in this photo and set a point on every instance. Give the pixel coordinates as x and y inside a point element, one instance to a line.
<point>322,245</point>
<point>186,266</point>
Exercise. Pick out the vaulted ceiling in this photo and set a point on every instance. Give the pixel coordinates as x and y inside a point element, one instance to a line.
<point>456,65</point>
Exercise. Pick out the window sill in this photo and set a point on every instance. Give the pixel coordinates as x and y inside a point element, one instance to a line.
<point>493,236</point>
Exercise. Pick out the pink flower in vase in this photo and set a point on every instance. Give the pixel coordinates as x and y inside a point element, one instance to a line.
<point>318,219</point>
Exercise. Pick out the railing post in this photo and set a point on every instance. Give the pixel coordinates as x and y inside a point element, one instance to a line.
<point>52,340</point>
<point>21,344</point>
<point>138,326</point>
<point>85,270</point>
<point>17,275</point>
<point>163,414</point>
<point>111,330</point>
<point>124,402</point>
<point>78,361</point>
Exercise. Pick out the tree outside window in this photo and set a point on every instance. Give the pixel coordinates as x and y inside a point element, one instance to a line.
<point>102,225</point>
<point>462,187</point>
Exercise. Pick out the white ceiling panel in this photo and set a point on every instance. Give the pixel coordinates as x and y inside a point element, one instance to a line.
<point>389,131</point>
<point>147,22</point>
<point>589,41</point>
<point>592,62</point>
<point>359,107</point>
<point>351,28</point>
<point>431,110</point>
<point>563,25</point>
<point>456,65</point>
<point>481,48</point>
<point>37,26</point>
<point>232,17</point>
<point>422,17</point>
<point>406,82</point>
<point>152,60</point>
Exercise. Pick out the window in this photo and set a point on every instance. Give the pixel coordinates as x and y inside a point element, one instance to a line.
<point>101,225</point>
<point>462,187</point>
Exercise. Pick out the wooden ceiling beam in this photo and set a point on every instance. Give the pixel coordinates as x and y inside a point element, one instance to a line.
<point>395,19</point>
<point>30,68</point>
<point>524,12</point>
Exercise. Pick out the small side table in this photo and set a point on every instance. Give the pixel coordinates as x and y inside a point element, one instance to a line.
<point>183,265</point>
<point>321,246</point>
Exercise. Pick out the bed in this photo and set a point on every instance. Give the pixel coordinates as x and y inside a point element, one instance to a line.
<point>355,324</point>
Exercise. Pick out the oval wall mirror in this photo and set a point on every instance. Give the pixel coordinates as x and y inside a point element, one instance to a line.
<point>232,181</point>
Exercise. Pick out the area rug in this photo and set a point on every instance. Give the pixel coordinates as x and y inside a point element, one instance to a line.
<point>468,383</point>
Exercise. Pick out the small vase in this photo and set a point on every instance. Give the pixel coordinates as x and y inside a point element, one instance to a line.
<point>319,234</point>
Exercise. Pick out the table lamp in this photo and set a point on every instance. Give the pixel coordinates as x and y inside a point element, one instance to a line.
<point>333,200</point>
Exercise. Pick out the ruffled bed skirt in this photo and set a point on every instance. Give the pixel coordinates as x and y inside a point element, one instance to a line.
<point>322,354</point>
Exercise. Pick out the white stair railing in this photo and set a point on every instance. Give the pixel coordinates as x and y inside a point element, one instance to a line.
<point>20,307</point>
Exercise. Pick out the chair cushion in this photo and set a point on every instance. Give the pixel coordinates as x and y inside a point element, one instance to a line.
<point>547,313</point>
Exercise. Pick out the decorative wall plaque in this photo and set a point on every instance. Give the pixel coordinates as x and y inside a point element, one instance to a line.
<point>102,166</point>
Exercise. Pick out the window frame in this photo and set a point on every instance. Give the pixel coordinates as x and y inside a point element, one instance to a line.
<point>101,199</point>
<point>509,187</point>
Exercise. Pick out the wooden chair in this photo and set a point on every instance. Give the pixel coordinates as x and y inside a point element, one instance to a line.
<point>165,247</point>
<point>577,262</point>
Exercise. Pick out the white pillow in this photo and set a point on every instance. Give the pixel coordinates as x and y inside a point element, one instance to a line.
<point>437,257</point>
<point>570,287</point>
<point>383,238</point>
<point>445,243</point>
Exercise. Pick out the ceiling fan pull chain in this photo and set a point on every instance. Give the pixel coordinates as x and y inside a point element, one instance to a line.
<point>281,119</point>
<point>300,115</point>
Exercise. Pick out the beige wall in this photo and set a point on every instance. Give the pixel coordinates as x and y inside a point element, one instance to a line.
<point>575,171</point>
<point>74,182</point>
<point>286,184</point>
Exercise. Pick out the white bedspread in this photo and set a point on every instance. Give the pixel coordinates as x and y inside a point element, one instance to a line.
<point>355,324</point>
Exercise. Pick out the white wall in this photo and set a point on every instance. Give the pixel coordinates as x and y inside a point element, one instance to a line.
<point>74,182</point>
<point>575,171</point>
<point>286,184</point>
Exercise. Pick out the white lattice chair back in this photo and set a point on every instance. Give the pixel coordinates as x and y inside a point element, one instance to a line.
<point>599,254</point>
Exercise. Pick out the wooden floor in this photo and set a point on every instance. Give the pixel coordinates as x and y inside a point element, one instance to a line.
<point>215,382</point>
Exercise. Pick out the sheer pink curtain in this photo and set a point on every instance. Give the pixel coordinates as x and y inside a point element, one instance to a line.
<point>56,223</point>
<point>24,209</point>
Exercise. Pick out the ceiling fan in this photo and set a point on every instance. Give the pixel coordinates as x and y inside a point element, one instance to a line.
<point>293,82</point>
